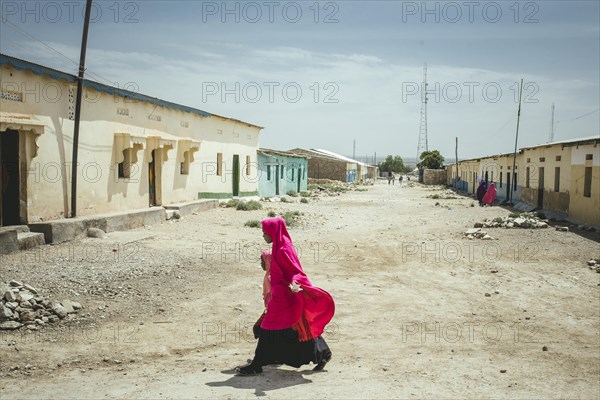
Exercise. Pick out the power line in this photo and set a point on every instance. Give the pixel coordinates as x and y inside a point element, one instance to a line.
<point>585,115</point>
<point>29,35</point>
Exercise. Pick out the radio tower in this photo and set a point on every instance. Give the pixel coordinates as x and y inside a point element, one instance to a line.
<point>551,136</point>
<point>422,146</point>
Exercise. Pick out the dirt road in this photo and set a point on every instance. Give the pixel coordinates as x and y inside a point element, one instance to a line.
<point>168,308</point>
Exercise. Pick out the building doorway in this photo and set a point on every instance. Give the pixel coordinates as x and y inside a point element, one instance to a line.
<point>236,175</point>
<point>10,182</point>
<point>540,196</point>
<point>152,179</point>
<point>276,180</point>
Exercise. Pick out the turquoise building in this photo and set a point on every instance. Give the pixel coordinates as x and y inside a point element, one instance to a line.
<point>280,172</point>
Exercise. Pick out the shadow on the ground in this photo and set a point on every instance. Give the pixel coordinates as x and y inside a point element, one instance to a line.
<point>270,379</point>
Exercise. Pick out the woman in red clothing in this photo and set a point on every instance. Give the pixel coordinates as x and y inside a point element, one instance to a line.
<point>297,311</point>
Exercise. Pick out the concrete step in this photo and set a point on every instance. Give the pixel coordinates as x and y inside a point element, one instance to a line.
<point>64,230</point>
<point>28,240</point>
<point>18,228</point>
<point>8,241</point>
<point>185,209</point>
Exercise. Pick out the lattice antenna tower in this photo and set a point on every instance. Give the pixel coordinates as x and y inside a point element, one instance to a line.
<point>423,146</point>
<point>551,136</point>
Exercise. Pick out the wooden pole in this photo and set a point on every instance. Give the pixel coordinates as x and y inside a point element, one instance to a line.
<point>456,156</point>
<point>512,181</point>
<point>86,24</point>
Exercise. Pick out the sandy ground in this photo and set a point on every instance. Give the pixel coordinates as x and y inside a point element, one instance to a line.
<point>168,308</point>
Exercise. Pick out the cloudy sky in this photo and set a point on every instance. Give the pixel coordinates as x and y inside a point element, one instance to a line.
<point>323,74</point>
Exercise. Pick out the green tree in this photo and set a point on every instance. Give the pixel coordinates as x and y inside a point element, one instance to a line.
<point>393,164</point>
<point>431,160</point>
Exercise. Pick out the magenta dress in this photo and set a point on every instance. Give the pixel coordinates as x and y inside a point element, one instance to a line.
<point>292,326</point>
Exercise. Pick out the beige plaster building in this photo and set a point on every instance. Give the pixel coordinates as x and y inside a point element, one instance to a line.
<point>560,176</point>
<point>135,151</point>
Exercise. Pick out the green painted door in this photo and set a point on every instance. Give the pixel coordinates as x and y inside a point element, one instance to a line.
<point>276,180</point>
<point>236,175</point>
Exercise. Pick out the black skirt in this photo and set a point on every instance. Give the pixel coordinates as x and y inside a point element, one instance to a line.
<point>282,347</point>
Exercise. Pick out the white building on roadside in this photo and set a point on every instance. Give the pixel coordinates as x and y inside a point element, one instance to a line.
<point>135,151</point>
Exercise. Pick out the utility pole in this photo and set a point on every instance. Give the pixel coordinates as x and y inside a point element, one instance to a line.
<point>456,155</point>
<point>514,175</point>
<point>551,136</point>
<point>86,25</point>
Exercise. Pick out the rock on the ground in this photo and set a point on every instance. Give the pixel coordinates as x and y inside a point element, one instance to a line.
<point>68,306</point>
<point>59,310</point>
<point>96,233</point>
<point>10,296</point>
<point>9,325</point>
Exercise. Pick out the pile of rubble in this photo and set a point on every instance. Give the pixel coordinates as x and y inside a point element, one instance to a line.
<point>477,233</point>
<point>594,264</point>
<point>525,221</point>
<point>22,305</point>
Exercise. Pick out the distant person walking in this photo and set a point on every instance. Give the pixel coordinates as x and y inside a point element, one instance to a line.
<point>490,195</point>
<point>481,191</point>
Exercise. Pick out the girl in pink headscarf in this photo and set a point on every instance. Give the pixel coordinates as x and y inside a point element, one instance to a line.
<point>490,195</point>
<point>297,312</point>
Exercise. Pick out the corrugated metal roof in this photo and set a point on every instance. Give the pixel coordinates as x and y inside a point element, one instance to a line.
<point>60,75</point>
<point>583,140</point>
<point>332,154</point>
<point>281,153</point>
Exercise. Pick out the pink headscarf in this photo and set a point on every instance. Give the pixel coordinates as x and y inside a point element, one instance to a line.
<point>312,307</point>
<point>490,195</point>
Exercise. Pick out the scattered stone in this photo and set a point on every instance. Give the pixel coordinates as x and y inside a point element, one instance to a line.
<point>591,262</point>
<point>5,313</point>
<point>502,371</point>
<point>30,288</point>
<point>26,316</point>
<point>96,233</point>
<point>488,295</point>
<point>472,231</point>
<point>523,221</point>
<point>562,228</point>
<point>24,296</point>
<point>25,304</point>
<point>14,283</point>
<point>12,305</point>
<point>68,306</point>
<point>10,296</point>
<point>545,348</point>
<point>10,325</point>
<point>59,310</point>
<point>519,221</point>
